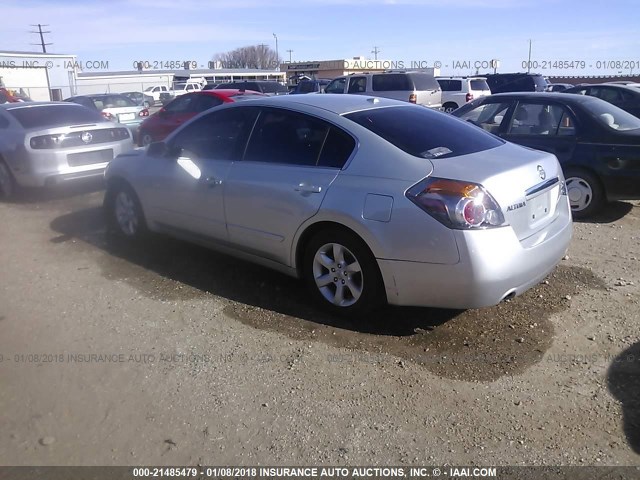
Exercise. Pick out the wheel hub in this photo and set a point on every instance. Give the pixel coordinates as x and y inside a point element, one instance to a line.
<point>337,274</point>
<point>125,213</point>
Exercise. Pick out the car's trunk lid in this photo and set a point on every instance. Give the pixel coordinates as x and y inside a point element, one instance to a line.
<point>526,183</point>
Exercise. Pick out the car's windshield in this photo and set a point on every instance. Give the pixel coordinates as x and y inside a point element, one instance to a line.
<point>112,101</point>
<point>44,116</point>
<point>424,133</point>
<point>273,87</point>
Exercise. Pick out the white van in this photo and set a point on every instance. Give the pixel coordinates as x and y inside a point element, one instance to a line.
<point>414,87</point>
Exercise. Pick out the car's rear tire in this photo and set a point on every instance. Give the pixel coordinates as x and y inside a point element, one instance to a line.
<point>145,138</point>
<point>8,185</point>
<point>586,195</point>
<point>449,107</point>
<point>342,274</point>
<point>125,218</point>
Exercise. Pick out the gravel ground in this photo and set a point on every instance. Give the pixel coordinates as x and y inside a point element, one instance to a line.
<point>170,354</point>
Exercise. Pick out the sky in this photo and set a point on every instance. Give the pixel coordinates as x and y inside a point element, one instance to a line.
<point>567,36</point>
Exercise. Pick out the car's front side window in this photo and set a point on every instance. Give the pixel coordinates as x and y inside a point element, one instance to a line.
<point>219,135</point>
<point>489,116</point>
<point>336,86</point>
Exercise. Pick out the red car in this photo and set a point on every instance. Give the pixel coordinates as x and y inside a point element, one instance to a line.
<point>168,118</point>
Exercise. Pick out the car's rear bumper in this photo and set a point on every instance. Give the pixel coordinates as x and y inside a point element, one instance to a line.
<point>494,265</point>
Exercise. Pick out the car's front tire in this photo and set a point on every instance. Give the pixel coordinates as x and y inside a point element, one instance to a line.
<point>145,138</point>
<point>449,107</point>
<point>123,211</point>
<point>586,195</point>
<point>342,274</point>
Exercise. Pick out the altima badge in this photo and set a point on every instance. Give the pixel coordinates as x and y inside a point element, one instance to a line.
<point>86,137</point>
<point>541,172</point>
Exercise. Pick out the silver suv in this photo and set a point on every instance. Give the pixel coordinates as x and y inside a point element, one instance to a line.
<point>414,87</point>
<point>456,91</point>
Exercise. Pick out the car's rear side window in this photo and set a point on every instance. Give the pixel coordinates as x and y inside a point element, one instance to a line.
<point>337,149</point>
<point>424,133</point>
<point>479,85</point>
<point>391,82</point>
<point>44,116</point>
<point>450,85</point>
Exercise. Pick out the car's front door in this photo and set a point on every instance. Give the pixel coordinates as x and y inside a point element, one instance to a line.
<point>290,162</point>
<point>545,126</point>
<point>175,114</point>
<point>185,191</point>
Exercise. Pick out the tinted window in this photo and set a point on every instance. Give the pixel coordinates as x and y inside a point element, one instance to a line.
<point>43,116</point>
<point>337,149</point>
<point>184,103</point>
<point>479,85</point>
<point>219,135</point>
<point>336,86</point>
<point>273,87</point>
<point>282,136</point>
<point>450,85</point>
<point>306,87</point>
<point>388,82</point>
<point>425,133</point>
<point>423,81</point>
<point>357,85</point>
<point>205,102</point>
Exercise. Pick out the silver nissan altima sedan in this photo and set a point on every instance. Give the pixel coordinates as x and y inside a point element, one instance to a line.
<point>368,200</point>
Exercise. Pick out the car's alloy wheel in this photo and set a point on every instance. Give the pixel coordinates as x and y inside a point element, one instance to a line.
<point>338,274</point>
<point>7,184</point>
<point>342,274</point>
<point>146,139</point>
<point>584,192</point>
<point>124,213</point>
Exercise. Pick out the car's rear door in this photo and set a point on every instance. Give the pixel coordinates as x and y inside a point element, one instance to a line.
<point>290,162</point>
<point>543,125</point>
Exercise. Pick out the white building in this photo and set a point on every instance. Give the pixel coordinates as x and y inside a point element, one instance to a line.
<point>40,76</point>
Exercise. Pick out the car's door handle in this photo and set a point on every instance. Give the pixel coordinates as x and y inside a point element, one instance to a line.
<point>306,188</point>
<point>212,182</point>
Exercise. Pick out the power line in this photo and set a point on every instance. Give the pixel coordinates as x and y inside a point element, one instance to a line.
<point>375,52</point>
<point>41,32</point>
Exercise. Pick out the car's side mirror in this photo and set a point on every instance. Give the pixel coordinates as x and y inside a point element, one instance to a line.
<point>159,149</point>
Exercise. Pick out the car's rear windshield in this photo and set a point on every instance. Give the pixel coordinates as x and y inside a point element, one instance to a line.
<point>423,81</point>
<point>540,82</point>
<point>425,133</point>
<point>45,116</point>
<point>611,116</point>
<point>273,87</point>
<point>112,101</point>
<point>479,85</point>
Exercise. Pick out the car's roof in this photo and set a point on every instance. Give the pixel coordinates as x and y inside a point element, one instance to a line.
<point>96,95</point>
<point>227,92</point>
<point>15,105</point>
<point>567,97</point>
<point>338,104</point>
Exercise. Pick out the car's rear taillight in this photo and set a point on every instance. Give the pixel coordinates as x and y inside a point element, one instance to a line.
<point>469,97</point>
<point>108,116</point>
<point>47,141</point>
<point>457,204</point>
<point>413,98</point>
<point>143,113</point>
<point>120,133</point>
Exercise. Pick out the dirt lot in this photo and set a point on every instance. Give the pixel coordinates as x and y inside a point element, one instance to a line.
<point>174,355</point>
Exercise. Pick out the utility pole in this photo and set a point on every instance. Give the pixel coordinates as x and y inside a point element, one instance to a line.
<point>41,32</point>
<point>277,54</point>
<point>529,62</point>
<point>291,51</point>
<point>375,52</point>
